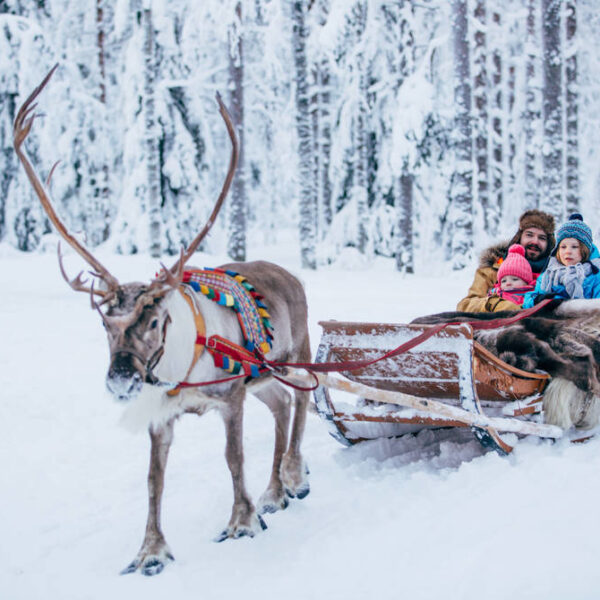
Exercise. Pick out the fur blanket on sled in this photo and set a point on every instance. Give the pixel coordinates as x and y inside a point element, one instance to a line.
<point>562,339</point>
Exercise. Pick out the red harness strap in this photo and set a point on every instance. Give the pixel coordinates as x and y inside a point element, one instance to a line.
<point>228,348</point>
<point>353,365</point>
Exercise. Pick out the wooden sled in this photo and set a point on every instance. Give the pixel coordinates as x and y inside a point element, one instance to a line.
<point>447,381</point>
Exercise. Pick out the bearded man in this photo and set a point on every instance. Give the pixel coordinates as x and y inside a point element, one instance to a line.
<point>536,235</point>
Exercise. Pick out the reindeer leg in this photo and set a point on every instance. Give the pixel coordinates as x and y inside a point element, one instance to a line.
<point>154,553</point>
<point>278,401</point>
<point>294,471</point>
<point>244,519</point>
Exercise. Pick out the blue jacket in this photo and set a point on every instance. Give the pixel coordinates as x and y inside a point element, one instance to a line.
<point>591,285</point>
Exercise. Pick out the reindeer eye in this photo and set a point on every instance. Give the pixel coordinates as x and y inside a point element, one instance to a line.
<point>153,323</point>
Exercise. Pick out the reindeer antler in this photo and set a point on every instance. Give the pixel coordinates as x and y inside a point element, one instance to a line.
<point>22,127</point>
<point>184,257</point>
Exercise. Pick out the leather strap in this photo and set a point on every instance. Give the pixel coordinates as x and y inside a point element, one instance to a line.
<point>200,335</point>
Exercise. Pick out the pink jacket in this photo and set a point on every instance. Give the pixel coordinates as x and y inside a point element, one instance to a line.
<point>517,295</point>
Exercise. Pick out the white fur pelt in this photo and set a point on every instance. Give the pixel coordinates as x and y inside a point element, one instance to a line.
<point>567,406</point>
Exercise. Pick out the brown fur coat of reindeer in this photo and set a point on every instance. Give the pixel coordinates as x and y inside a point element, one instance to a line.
<point>562,339</point>
<point>151,334</point>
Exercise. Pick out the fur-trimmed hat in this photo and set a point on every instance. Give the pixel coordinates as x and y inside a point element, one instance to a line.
<point>541,220</point>
<point>516,264</point>
<point>574,228</point>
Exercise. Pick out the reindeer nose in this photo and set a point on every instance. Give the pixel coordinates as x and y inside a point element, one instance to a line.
<point>123,380</point>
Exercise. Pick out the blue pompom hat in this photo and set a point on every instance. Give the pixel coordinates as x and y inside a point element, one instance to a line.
<point>574,228</point>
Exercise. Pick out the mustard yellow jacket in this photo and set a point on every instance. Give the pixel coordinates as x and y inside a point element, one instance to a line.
<point>477,299</point>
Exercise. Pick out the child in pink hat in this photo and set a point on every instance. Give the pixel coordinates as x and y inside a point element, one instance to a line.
<point>515,277</point>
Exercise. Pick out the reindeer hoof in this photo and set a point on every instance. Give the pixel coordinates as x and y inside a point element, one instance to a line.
<point>149,566</point>
<point>303,492</point>
<point>300,492</point>
<point>130,568</point>
<point>294,476</point>
<point>240,531</point>
<point>273,507</point>
<point>152,567</point>
<point>272,501</point>
<point>263,525</point>
<point>221,537</point>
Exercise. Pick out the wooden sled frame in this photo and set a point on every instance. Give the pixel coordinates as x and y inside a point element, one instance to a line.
<point>447,381</point>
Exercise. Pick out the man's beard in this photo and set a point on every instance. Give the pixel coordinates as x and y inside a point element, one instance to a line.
<point>533,252</point>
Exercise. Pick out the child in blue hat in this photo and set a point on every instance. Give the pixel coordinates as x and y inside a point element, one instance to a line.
<point>574,268</point>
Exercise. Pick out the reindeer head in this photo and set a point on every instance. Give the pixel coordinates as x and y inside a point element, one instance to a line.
<point>135,315</point>
<point>136,325</point>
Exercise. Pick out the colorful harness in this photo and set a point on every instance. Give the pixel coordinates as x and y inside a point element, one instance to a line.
<point>232,290</point>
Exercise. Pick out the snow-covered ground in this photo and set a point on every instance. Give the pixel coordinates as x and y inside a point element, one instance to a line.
<point>392,519</point>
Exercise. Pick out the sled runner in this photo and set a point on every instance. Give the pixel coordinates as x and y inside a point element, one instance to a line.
<point>449,380</point>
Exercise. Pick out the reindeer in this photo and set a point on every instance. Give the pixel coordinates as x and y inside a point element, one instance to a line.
<point>151,336</point>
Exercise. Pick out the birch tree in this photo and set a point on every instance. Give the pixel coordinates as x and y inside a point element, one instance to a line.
<point>308,212</point>
<point>481,121</point>
<point>236,246</point>
<point>151,133</point>
<point>405,256</point>
<point>552,182</point>
<point>497,130</point>
<point>321,123</point>
<point>401,15</point>
<point>461,195</point>
<point>98,213</point>
<point>532,124</point>
<point>571,109</point>
<point>359,192</point>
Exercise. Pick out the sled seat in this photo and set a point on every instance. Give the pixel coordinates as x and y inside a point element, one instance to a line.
<point>450,366</point>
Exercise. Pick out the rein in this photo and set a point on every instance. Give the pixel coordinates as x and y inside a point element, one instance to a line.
<point>265,365</point>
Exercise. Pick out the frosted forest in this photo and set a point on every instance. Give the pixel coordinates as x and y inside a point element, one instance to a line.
<point>384,144</point>
<point>414,130</point>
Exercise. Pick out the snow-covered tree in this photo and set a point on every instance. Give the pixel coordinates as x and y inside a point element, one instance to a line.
<point>532,124</point>
<point>238,201</point>
<point>358,130</point>
<point>461,193</point>
<point>571,110</point>
<point>552,181</point>
<point>308,200</point>
<point>481,117</point>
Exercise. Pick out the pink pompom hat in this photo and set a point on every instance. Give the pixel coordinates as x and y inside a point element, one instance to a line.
<point>516,264</point>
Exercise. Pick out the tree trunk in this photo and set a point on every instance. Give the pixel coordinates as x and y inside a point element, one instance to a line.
<point>511,124</point>
<point>399,18</point>
<point>481,117</point>
<point>321,120</point>
<point>461,193</point>
<point>532,118</point>
<point>238,203</point>
<point>405,249</point>
<point>308,200</point>
<point>100,38</point>
<point>8,166</point>
<point>552,182</point>
<point>360,190</point>
<point>151,136</point>
<point>100,207</point>
<point>497,126</point>
<point>572,97</point>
